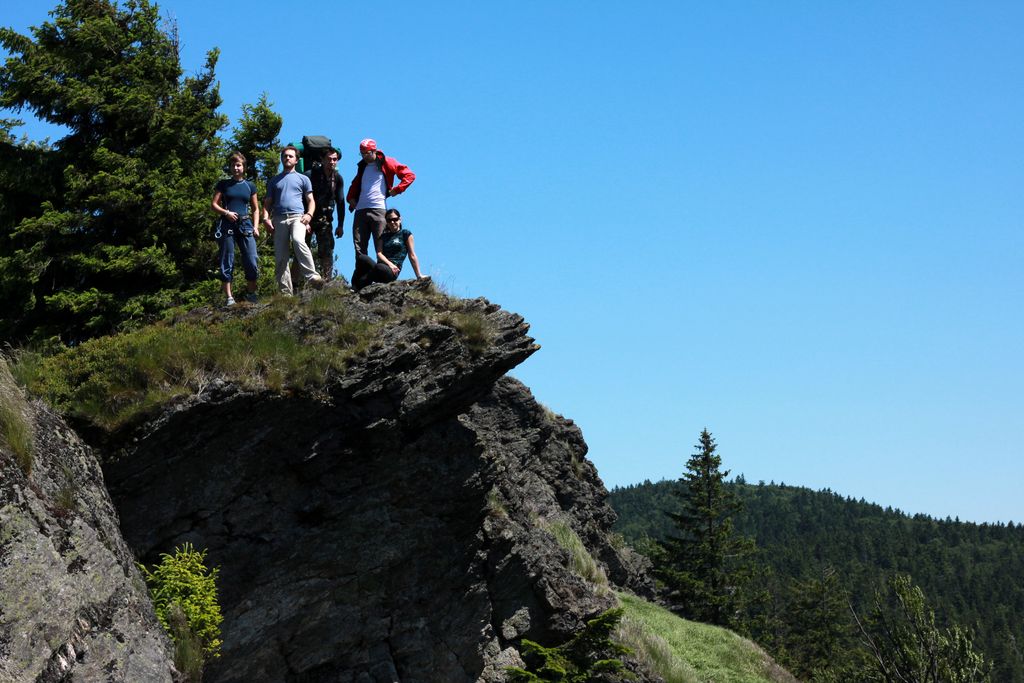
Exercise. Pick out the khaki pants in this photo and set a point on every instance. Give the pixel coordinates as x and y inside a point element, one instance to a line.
<point>288,228</point>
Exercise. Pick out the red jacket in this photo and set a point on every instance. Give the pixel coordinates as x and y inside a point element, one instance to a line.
<point>390,167</point>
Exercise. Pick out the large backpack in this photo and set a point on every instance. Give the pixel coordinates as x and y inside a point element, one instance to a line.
<point>312,149</point>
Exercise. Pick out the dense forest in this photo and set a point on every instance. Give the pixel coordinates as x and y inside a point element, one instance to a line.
<point>970,573</point>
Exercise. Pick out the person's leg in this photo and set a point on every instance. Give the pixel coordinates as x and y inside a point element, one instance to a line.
<point>247,248</point>
<point>382,273</point>
<point>377,223</point>
<point>226,260</point>
<point>360,231</point>
<point>325,248</point>
<point>303,256</point>
<point>363,272</point>
<point>282,235</point>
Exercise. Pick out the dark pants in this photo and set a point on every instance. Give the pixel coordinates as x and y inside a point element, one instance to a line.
<point>365,223</point>
<point>324,231</point>
<point>237,234</point>
<point>369,271</point>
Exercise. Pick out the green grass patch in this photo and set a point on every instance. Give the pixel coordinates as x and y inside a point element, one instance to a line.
<point>583,563</point>
<point>109,381</point>
<point>682,651</point>
<point>474,328</point>
<point>15,425</point>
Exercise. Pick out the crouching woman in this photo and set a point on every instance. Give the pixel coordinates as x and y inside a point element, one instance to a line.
<point>396,244</point>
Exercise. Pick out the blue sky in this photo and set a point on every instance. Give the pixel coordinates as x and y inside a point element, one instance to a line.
<point>798,224</point>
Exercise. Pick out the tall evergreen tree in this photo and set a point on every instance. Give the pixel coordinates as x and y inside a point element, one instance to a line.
<point>704,566</point>
<point>818,624</point>
<point>117,228</point>
<point>256,136</point>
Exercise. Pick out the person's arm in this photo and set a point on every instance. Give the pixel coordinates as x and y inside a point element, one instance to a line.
<point>412,257</point>
<point>339,203</point>
<point>381,258</point>
<point>268,204</point>
<point>307,217</point>
<point>230,215</point>
<point>254,210</point>
<point>405,178</point>
<point>353,195</point>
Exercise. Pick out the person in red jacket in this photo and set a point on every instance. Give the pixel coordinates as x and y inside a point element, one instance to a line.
<point>374,182</point>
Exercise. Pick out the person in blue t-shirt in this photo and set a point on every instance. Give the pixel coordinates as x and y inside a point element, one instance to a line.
<point>396,244</point>
<point>235,200</point>
<point>289,207</point>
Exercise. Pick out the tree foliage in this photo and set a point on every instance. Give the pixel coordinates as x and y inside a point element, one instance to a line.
<point>907,646</point>
<point>107,226</point>
<point>969,571</point>
<point>588,656</point>
<point>183,582</point>
<point>817,628</point>
<point>704,564</point>
<point>257,138</point>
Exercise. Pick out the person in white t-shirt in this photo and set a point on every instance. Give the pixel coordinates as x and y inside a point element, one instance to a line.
<point>373,184</point>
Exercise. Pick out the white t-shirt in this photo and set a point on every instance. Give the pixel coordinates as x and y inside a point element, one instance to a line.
<point>371,190</point>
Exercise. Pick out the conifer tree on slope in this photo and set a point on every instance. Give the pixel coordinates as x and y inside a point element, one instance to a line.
<point>703,567</point>
<point>256,136</point>
<point>122,231</point>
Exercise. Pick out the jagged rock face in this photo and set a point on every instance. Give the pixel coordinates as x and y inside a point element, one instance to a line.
<point>392,530</point>
<point>73,607</point>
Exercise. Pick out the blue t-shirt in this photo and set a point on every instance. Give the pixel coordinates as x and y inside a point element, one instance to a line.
<point>396,246</point>
<point>235,194</point>
<point>286,191</point>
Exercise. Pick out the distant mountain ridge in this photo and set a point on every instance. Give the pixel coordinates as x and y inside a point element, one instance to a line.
<point>972,573</point>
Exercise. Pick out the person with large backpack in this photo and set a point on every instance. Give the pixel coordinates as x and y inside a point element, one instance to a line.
<point>328,193</point>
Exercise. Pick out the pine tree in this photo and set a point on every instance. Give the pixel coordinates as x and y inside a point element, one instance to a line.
<point>256,136</point>
<point>818,624</point>
<point>704,567</point>
<point>116,230</point>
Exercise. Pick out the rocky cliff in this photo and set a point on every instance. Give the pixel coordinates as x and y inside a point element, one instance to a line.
<point>395,524</point>
<point>72,604</point>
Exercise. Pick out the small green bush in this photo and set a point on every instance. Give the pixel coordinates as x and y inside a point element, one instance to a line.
<point>182,581</point>
<point>589,653</point>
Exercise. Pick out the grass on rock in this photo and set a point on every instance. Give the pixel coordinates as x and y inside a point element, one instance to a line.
<point>15,426</point>
<point>682,651</point>
<point>111,380</point>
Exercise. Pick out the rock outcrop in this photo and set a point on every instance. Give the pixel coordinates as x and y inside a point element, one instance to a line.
<point>73,606</point>
<point>395,524</point>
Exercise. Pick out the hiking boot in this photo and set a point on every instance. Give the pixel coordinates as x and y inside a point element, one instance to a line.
<point>316,282</point>
<point>252,298</point>
<point>230,301</point>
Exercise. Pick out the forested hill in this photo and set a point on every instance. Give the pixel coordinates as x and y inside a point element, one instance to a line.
<point>973,574</point>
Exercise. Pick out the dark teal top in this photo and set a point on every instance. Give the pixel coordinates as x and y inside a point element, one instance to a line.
<point>396,246</point>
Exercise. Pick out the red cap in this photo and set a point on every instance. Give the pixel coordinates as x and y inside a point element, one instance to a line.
<point>368,145</point>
